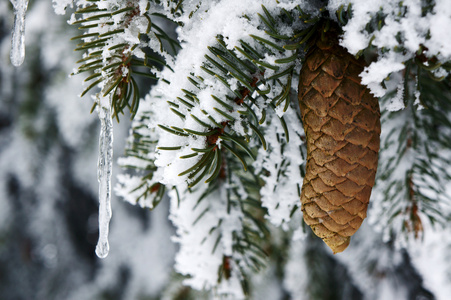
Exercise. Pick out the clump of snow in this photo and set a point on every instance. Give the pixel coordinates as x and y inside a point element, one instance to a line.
<point>397,102</point>
<point>407,26</point>
<point>375,73</point>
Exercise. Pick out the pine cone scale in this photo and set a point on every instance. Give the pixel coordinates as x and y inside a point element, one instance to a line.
<point>325,84</point>
<point>321,157</point>
<point>335,66</point>
<point>342,125</point>
<point>317,59</point>
<point>358,136</point>
<point>350,91</point>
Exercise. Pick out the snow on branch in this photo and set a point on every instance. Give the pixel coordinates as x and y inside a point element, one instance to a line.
<point>226,95</point>
<point>400,31</point>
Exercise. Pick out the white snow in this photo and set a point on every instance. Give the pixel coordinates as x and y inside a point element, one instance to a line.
<point>296,277</point>
<point>59,6</point>
<point>397,102</point>
<point>196,238</point>
<point>282,183</point>
<point>439,23</point>
<point>404,26</point>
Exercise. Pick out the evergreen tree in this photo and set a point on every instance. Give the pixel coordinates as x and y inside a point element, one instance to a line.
<point>220,136</point>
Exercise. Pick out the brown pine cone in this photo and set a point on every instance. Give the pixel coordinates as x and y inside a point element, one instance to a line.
<point>342,125</point>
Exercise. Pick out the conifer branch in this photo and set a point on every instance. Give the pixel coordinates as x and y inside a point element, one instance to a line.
<point>117,51</point>
<point>412,178</point>
<point>245,105</point>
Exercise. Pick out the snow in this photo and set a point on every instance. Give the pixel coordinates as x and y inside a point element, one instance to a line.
<point>283,166</point>
<point>428,256</point>
<point>143,253</point>
<point>196,257</point>
<point>59,6</point>
<point>439,24</point>
<point>225,19</point>
<point>18,34</point>
<point>48,181</point>
<point>376,72</point>
<point>403,19</point>
<point>296,271</point>
<point>397,102</point>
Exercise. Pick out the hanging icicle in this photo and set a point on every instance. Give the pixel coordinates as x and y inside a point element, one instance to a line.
<point>17,54</point>
<point>104,171</point>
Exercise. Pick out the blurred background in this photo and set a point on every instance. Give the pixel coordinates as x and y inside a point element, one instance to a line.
<point>48,181</point>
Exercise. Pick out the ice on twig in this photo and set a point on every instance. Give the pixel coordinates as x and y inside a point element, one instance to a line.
<point>17,54</point>
<point>104,172</point>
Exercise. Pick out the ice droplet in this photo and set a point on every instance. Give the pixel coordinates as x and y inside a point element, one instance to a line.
<point>104,172</point>
<point>17,53</point>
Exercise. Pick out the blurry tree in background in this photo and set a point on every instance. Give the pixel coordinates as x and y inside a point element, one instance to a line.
<point>48,184</point>
<point>209,85</point>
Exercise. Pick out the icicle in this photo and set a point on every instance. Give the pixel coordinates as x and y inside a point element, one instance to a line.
<point>104,172</point>
<point>17,54</point>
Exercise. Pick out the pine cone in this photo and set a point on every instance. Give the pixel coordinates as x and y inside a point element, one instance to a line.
<point>342,125</point>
